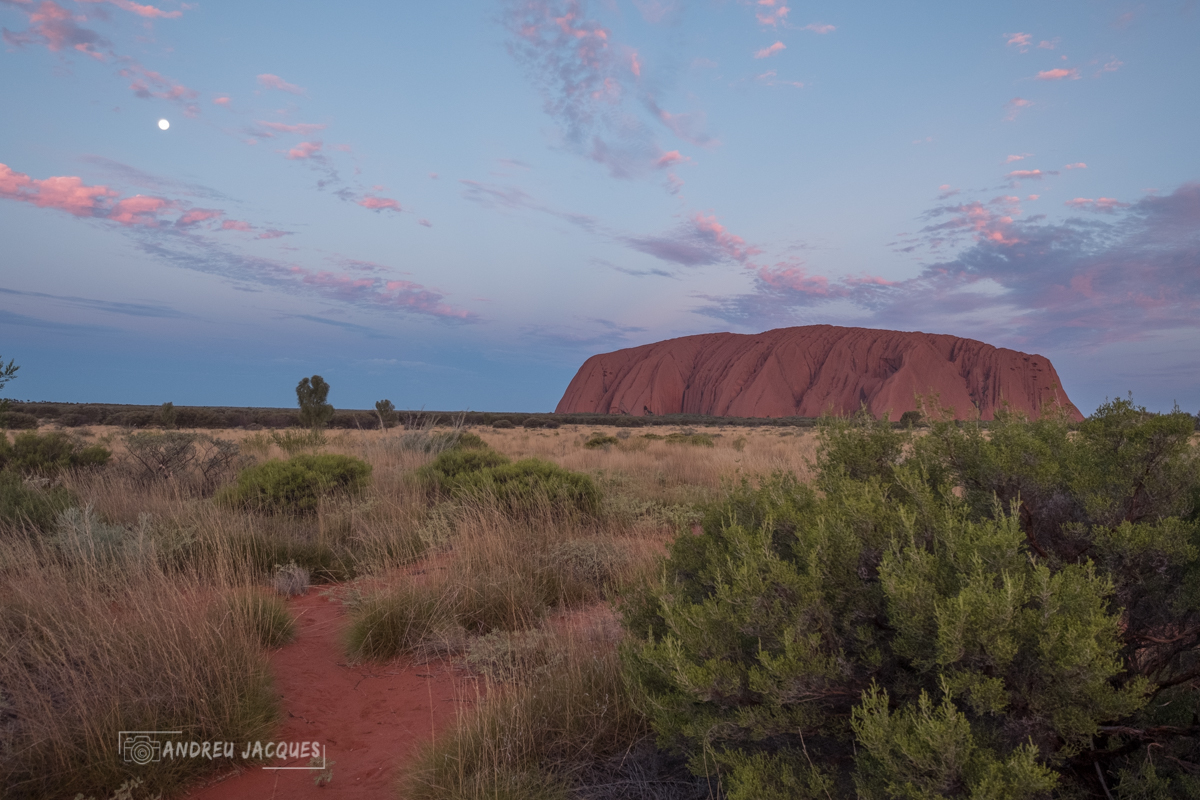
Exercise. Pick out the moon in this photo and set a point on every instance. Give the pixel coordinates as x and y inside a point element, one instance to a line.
<point>163,124</point>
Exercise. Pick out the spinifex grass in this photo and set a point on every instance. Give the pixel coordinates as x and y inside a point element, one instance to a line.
<point>94,647</point>
<point>537,735</point>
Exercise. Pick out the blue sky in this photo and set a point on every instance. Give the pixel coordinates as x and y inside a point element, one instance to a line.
<point>453,205</point>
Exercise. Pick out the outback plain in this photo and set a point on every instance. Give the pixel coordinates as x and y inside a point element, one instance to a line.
<point>455,611</point>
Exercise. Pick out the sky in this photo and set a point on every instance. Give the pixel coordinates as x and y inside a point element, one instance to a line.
<point>453,205</point>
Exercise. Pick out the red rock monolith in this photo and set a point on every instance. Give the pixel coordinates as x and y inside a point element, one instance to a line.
<point>811,370</point>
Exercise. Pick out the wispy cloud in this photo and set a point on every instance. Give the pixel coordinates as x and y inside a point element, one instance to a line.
<point>1058,74</point>
<point>302,128</point>
<point>1021,41</point>
<point>149,12</point>
<point>304,150</point>
<point>1074,283</point>
<point>819,27</point>
<point>109,306</point>
<point>1105,205</point>
<point>379,203</point>
<point>767,52</point>
<point>1014,107</point>
<point>771,12</point>
<point>1076,165</point>
<point>269,81</point>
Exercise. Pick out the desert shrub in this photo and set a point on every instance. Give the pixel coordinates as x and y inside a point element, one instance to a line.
<point>599,440</point>
<point>431,441</point>
<point>262,616</point>
<point>79,535</point>
<point>18,420</point>
<point>522,487</point>
<point>166,415</point>
<point>293,442</point>
<point>297,485</point>
<point>444,472</point>
<point>291,579</point>
<point>910,419</point>
<point>193,460</point>
<point>953,615</point>
<point>653,437</point>
<point>502,423</point>
<point>396,622</point>
<point>557,733</point>
<point>49,453</point>
<point>591,562</point>
<point>311,394</point>
<point>694,439</point>
<point>24,502</point>
<point>508,655</point>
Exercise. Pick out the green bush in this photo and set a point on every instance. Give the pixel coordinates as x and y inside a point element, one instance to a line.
<point>395,622</point>
<point>297,485</point>
<point>49,453</point>
<point>14,420</point>
<point>503,423</point>
<point>443,473</point>
<point>694,439</point>
<point>952,615</point>
<point>22,503</point>
<point>527,485</point>
<point>600,440</point>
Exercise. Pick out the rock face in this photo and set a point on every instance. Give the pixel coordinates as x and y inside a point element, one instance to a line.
<point>809,370</point>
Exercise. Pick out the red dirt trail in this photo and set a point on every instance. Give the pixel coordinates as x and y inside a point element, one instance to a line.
<point>370,717</point>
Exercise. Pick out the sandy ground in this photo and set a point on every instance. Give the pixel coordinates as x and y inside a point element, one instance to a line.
<point>370,717</point>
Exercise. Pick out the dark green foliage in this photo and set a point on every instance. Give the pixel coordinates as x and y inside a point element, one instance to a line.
<point>49,453</point>
<point>518,488</point>
<point>386,413</point>
<point>25,504</point>
<point>264,616</point>
<point>954,615</point>
<point>17,420</point>
<point>524,486</point>
<point>502,423</point>
<point>687,437</point>
<point>600,440</point>
<point>312,393</point>
<point>297,485</point>
<point>911,419</point>
<point>166,415</point>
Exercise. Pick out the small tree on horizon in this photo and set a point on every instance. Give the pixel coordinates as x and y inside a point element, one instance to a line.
<point>311,393</point>
<point>7,373</point>
<point>386,412</point>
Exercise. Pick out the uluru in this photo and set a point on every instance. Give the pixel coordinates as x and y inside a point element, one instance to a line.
<point>811,370</point>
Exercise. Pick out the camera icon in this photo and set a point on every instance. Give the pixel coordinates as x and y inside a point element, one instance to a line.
<point>137,747</point>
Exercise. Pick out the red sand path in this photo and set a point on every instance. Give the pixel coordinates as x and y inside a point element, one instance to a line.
<point>370,717</point>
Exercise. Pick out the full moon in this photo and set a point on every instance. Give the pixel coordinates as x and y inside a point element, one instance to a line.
<point>163,124</point>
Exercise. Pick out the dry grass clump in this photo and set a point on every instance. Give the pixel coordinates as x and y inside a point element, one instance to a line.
<point>99,641</point>
<point>531,740</point>
<point>499,573</point>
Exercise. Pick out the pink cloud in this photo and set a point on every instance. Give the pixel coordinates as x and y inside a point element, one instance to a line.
<point>140,210</point>
<point>196,215</point>
<point>236,225</point>
<point>767,52</point>
<point>64,193</point>
<point>275,82</point>
<point>433,176</point>
<point>1021,157</point>
<point>991,221</point>
<point>1033,197</point>
<point>1111,66</point>
<point>146,83</point>
<point>304,150</point>
<point>1026,174</point>
<point>381,293</point>
<point>221,101</point>
<point>302,128</point>
<point>425,222</point>
<point>1014,107</point>
<point>1076,165</point>
<point>1048,45</point>
<point>55,27</point>
<point>635,66</point>
<point>150,12</point>
<point>734,246</point>
<point>1105,205</point>
<point>271,233</point>
<point>776,15</point>
<point>379,203</point>
<point>671,157</point>
<point>1058,74</point>
<point>817,27</point>
<point>1019,40</point>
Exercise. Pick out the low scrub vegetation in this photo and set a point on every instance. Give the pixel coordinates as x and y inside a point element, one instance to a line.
<point>298,485</point>
<point>934,610</point>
